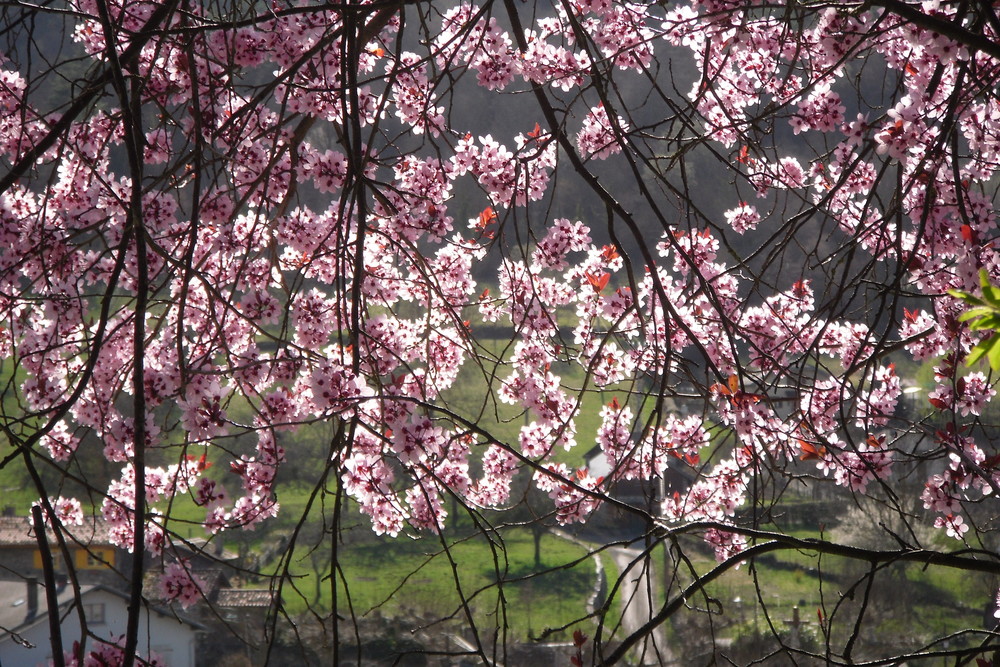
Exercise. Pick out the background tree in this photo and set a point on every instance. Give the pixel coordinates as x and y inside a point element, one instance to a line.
<point>716,238</point>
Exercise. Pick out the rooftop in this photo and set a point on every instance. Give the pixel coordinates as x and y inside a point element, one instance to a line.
<point>15,605</point>
<point>17,531</point>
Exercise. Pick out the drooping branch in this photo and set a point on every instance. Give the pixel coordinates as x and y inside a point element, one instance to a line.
<point>990,563</point>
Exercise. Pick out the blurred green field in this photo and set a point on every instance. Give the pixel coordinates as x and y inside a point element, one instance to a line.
<point>491,577</point>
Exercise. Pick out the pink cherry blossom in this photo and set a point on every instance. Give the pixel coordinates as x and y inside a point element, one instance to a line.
<point>178,583</point>
<point>712,238</point>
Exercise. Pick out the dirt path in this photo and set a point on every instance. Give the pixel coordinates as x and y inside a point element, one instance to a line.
<point>640,601</point>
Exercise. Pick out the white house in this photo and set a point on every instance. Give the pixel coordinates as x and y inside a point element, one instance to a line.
<point>24,624</point>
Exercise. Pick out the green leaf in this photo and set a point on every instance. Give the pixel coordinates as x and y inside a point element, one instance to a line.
<point>966,297</point>
<point>990,348</point>
<point>994,353</point>
<point>990,322</point>
<point>980,311</point>
<point>976,354</point>
<point>992,296</point>
<point>984,315</point>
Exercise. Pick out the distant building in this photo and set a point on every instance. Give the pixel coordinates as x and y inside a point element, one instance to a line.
<point>93,557</point>
<point>24,617</point>
<point>231,617</point>
<point>643,494</point>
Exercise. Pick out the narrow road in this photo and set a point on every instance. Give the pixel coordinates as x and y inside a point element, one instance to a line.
<point>640,601</point>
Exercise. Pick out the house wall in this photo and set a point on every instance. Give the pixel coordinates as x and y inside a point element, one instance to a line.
<point>169,637</point>
<point>96,565</point>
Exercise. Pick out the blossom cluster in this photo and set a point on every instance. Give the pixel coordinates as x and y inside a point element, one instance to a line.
<point>310,267</point>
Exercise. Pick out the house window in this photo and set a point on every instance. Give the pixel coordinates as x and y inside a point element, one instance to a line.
<point>94,613</point>
<point>95,558</point>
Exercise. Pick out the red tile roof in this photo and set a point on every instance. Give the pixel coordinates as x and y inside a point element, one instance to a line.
<point>16,531</point>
